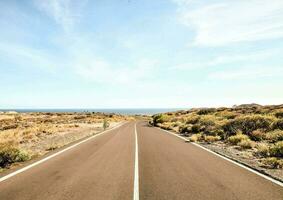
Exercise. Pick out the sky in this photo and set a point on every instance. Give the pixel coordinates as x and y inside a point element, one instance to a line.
<point>140,53</point>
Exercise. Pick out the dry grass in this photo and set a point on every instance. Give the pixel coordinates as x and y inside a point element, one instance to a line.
<point>21,134</point>
<point>273,162</point>
<point>262,149</point>
<point>246,144</point>
<point>254,128</point>
<point>273,136</point>
<point>196,137</point>
<point>210,138</point>
<point>235,139</point>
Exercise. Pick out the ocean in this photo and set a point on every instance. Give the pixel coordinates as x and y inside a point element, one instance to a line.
<point>123,111</point>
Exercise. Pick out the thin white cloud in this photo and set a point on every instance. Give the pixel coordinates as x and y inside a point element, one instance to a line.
<point>229,59</point>
<point>65,12</point>
<point>29,56</point>
<point>227,22</point>
<point>255,72</point>
<point>102,71</point>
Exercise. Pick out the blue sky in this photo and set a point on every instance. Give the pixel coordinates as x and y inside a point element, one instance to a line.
<point>140,53</point>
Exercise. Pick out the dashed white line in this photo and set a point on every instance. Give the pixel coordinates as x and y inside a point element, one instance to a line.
<point>53,155</point>
<point>136,177</point>
<point>232,161</point>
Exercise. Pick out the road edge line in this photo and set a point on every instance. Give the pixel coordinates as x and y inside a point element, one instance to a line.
<point>56,154</point>
<point>228,159</point>
<point>136,174</point>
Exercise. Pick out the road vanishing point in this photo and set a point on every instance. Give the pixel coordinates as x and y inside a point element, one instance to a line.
<point>131,162</point>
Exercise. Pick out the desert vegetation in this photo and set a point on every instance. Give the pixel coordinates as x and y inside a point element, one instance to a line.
<point>252,128</point>
<point>27,135</point>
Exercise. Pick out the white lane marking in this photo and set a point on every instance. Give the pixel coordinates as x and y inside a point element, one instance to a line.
<point>55,154</point>
<point>136,178</point>
<point>225,158</point>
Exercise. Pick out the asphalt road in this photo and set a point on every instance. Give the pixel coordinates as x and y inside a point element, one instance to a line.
<point>168,168</point>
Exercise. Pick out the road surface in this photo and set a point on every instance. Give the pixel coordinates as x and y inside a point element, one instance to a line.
<point>168,168</point>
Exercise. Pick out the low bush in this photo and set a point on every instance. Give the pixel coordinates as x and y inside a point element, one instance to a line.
<point>196,137</point>
<point>105,124</point>
<point>185,129</point>
<point>167,126</point>
<point>205,111</point>
<point>196,128</point>
<point>192,119</point>
<point>210,138</point>
<point>160,118</point>
<point>277,149</point>
<point>278,124</point>
<point>257,135</point>
<point>208,120</point>
<point>246,144</point>
<point>274,136</point>
<point>248,124</point>
<point>273,162</point>
<point>227,114</point>
<point>235,139</point>
<point>279,114</point>
<point>262,149</point>
<point>10,154</point>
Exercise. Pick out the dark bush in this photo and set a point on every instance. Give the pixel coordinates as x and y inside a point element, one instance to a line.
<point>277,149</point>
<point>205,111</point>
<point>257,135</point>
<point>279,114</point>
<point>247,124</point>
<point>278,124</point>
<point>10,154</point>
<point>196,128</point>
<point>185,129</point>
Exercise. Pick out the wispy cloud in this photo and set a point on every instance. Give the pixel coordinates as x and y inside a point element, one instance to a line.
<point>29,56</point>
<point>65,12</point>
<point>256,56</point>
<point>102,71</point>
<point>244,73</point>
<point>226,22</point>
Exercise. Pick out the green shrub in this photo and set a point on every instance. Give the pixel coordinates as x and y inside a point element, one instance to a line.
<point>248,124</point>
<point>277,149</point>
<point>160,118</point>
<point>208,120</point>
<point>106,124</point>
<point>273,162</point>
<point>10,154</point>
<point>275,135</point>
<point>235,139</point>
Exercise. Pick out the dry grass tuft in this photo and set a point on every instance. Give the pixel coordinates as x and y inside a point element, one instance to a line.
<point>196,137</point>
<point>210,138</point>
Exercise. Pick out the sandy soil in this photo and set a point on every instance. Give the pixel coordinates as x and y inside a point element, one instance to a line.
<point>46,143</point>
